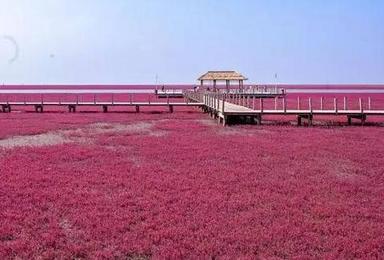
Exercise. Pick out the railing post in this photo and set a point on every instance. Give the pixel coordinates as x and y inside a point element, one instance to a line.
<point>275,103</point>
<point>112,98</point>
<point>321,103</point>
<point>369,103</point>
<point>345,103</point>
<point>94,98</point>
<point>208,99</point>
<point>335,104</point>
<point>253,102</point>
<point>310,105</point>
<point>130,98</point>
<point>222,107</point>
<point>361,105</point>
<point>285,105</point>
<point>298,103</point>
<point>261,105</point>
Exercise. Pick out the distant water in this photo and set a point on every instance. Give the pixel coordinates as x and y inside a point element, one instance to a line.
<point>334,91</point>
<point>152,91</point>
<point>190,86</point>
<point>149,89</point>
<point>77,91</point>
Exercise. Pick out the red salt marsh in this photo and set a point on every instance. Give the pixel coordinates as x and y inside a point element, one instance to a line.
<point>161,185</point>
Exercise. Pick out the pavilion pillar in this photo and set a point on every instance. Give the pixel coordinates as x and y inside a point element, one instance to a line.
<point>214,85</point>
<point>227,82</point>
<point>241,84</point>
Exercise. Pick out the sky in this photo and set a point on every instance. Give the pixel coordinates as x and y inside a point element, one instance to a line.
<point>175,41</point>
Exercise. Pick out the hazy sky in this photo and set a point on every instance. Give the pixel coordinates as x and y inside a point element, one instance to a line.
<point>130,41</point>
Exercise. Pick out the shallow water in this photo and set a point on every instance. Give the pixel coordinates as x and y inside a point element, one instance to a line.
<point>152,91</point>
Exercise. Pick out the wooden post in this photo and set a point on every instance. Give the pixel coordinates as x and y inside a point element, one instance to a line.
<point>361,105</point>
<point>222,109</point>
<point>310,120</point>
<point>275,103</point>
<point>369,103</point>
<point>335,104</point>
<point>77,99</point>
<point>137,109</point>
<point>149,99</point>
<point>321,103</point>
<point>209,100</point>
<point>112,98</point>
<point>345,103</point>
<point>94,98</point>
<point>285,105</point>
<point>298,103</point>
<point>310,104</point>
<point>253,102</point>
<point>72,108</point>
<point>261,105</point>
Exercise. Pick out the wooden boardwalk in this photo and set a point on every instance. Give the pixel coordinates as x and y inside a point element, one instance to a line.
<point>72,105</point>
<point>224,107</point>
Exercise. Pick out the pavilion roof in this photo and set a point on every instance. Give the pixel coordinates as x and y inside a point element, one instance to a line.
<point>222,75</point>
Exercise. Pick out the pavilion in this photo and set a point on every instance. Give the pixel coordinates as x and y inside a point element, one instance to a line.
<point>227,76</point>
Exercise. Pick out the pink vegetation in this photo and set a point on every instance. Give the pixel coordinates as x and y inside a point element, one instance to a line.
<point>125,185</point>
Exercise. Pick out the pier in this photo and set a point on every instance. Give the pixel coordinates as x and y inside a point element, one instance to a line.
<point>228,108</point>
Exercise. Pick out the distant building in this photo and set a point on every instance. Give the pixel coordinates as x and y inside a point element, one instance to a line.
<point>225,76</point>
